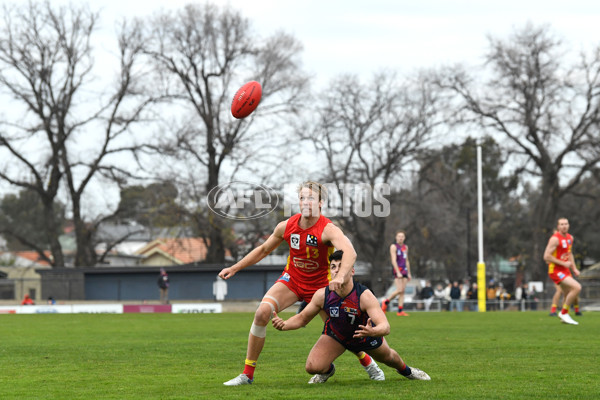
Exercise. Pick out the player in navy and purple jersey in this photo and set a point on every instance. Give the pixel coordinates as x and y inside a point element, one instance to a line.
<point>354,322</point>
<point>400,272</point>
<point>345,317</point>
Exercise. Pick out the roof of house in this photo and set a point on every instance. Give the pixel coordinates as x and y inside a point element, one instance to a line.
<point>29,257</point>
<point>178,250</point>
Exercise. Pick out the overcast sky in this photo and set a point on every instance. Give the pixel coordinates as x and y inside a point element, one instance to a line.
<point>363,36</point>
<point>359,36</point>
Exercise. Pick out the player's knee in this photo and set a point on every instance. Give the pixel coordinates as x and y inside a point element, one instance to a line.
<point>263,314</point>
<point>315,368</point>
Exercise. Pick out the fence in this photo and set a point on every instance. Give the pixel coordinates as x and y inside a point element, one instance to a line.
<point>492,305</point>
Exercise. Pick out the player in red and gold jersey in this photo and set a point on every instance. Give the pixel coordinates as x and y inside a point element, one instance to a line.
<point>311,238</point>
<point>559,256</point>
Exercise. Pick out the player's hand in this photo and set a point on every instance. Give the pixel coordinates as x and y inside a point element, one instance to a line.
<point>576,272</point>
<point>336,284</point>
<point>227,273</point>
<point>365,330</point>
<point>277,322</point>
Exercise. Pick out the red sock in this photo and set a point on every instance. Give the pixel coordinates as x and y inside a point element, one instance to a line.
<point>249,367</point>
<point>576,308</point>
<point>364,358</point>
<point>553,309</point>
<point>564,310</point>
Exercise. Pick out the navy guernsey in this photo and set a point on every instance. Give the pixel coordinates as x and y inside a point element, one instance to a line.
<point>344,317</point>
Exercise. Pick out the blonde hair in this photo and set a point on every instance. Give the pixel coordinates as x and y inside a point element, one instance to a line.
<point>315,187</point>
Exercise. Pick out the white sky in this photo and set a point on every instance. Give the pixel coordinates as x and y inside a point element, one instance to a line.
<point>363,36</point>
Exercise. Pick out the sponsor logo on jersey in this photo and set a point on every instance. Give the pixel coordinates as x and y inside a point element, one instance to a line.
<point>307,265</point>
<point>334,312</point>
<point>311,240</point>
<point>285,277</point>
<point>350,310</point>
<point>295,241</point>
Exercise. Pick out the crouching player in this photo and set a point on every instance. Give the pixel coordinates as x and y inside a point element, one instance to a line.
<point>355,322</point>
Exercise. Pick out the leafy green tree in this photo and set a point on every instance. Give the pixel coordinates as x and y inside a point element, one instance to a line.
<point>22,222</point>
<point>154,205</point>
<point>582,207</point>
<point>441,210</point>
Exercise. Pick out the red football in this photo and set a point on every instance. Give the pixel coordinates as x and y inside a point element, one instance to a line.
<point>246,99</point>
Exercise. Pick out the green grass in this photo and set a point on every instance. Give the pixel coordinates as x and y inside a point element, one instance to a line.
<point>183,356</point>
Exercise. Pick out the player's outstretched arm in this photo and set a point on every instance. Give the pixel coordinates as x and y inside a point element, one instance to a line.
<point>257,253</point>
<point>303,318</point>
<point>336,237</point>
<point>377,324</point>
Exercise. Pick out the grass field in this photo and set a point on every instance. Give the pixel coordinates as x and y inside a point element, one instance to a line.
<point>188,356</point>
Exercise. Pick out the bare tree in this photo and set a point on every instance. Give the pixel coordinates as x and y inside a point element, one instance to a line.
<point>442,207</point>
<point>64,130</point>
<point>547,112</point>
<point>369,135</point>
<point>203,54</point>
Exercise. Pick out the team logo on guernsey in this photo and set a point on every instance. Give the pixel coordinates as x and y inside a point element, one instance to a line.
<point>308,265</point>
<point>285,277</point>
<point>311,240</point>
<point>295,241</point>
<point>334,312</point>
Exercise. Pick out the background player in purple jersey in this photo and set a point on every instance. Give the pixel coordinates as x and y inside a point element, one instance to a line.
<point>400,271</point>
<point>355,322</point>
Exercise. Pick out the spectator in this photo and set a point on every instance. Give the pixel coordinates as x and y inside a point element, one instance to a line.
<point>447,297</point>
<point>491,297</point>
<point>455,297</point>
<point>427,295</point>
<point>163,286</point>
<point>27,301</point>
<point>438,294</point>
<point>524,296</point>
<point>502,295</point>
<point>472,296</point>
<point>51,301</point>
<point>464,288</point>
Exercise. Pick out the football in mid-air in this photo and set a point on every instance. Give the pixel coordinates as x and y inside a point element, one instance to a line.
<point>246,99</point>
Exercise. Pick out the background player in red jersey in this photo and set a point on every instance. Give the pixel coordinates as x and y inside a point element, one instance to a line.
<point>400,271</point>
<point>355,322</point>
<point>556,301</point>
<point>311,239</point>
<point>559,256</point>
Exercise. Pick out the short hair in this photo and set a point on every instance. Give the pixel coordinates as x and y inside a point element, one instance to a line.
<point>558,220</point>
<point>336,255</point>
<point>315,187</point>
<point>401,231</point>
